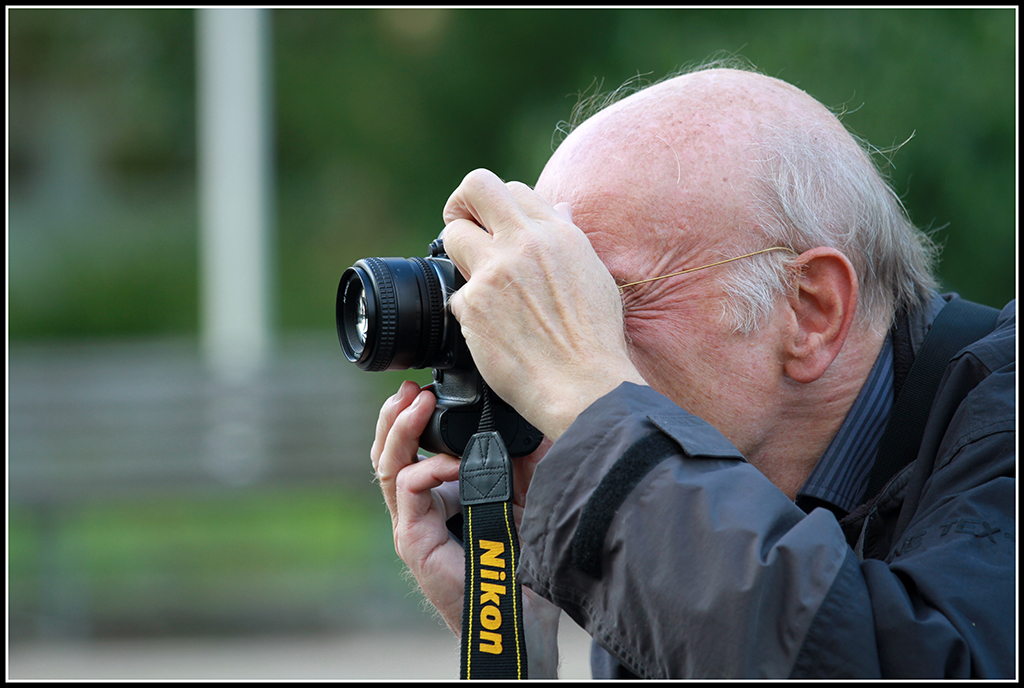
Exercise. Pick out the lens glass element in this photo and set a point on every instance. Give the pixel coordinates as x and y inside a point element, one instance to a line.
<point>361,321</point>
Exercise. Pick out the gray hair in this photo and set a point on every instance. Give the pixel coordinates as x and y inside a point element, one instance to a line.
<point>814,188</point>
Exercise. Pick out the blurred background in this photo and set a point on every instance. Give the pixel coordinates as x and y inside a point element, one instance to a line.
<point>192,499</point>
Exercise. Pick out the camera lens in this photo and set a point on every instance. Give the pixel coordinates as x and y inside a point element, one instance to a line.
<point>361,321</point>
<point>391,312</point>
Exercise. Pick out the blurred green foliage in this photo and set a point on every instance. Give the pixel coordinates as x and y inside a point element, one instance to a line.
<point>239,563</point>
<point>380,112</point>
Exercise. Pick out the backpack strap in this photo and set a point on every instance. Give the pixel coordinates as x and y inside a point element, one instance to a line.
<point>958,324</point>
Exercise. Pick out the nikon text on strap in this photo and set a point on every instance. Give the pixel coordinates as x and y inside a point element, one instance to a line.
<point>958,324</point>
<point>493,644</point>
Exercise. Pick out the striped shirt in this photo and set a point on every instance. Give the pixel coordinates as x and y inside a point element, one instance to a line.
<point>841,475</point>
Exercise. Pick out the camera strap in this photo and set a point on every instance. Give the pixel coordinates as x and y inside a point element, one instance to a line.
<point>959,323</point>
<point>493,643</point>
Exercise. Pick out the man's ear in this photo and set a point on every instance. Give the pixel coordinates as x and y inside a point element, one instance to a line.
<point>822,302</point>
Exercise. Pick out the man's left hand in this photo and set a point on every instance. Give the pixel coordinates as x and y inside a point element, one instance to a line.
<point>540,312</point>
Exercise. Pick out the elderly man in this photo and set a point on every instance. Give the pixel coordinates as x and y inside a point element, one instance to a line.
<point>702,508</point>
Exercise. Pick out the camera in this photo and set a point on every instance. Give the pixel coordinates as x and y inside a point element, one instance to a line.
<point>392,314</point>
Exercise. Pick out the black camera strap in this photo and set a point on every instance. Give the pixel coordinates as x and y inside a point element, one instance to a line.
<point>493,643</point>
<point>958,324</point>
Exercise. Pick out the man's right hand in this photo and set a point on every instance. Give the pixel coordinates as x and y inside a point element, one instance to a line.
<point>421,494</point>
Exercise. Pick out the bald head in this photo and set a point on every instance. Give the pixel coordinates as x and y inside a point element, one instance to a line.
<point>680,147</point>
<point>724,160</point>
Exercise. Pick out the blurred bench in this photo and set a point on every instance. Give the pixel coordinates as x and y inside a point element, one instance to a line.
<point>107,418</point>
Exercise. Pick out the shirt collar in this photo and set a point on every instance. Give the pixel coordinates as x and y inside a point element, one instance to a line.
<point>841,474</point>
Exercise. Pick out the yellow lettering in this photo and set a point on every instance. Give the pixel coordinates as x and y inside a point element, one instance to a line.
<point>490,557</point>
<point>490,614</point>
<point>495,639</point>
<point>490,593</point>
<point>490,618</point>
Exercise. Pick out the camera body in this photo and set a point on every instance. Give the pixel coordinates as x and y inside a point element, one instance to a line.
<point>392,314</point>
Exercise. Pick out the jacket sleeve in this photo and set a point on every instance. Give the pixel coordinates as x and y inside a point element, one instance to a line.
<point>682,560</point>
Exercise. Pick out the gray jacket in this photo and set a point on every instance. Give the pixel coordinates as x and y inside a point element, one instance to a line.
<point>681,560</point>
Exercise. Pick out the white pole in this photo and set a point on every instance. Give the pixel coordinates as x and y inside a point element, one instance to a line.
<point>235,189</point>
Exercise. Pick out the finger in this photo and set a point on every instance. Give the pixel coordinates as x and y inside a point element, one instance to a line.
<point>388,412</point>
<point>450,497</point>
<point>401,445</point>
<point>474,188</point>
<point>467,244</point>
<point>457,305</point>
<point>533,205</point>
<point>483,198</point>
<point>413,487</point>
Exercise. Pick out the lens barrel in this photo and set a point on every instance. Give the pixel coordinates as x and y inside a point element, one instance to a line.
<point>391,313</point>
